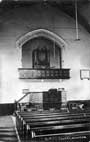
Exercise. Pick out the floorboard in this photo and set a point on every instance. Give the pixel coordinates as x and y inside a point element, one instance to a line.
<point>7,129</point>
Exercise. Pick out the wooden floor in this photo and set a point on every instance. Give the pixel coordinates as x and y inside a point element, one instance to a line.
<point>7,129</point>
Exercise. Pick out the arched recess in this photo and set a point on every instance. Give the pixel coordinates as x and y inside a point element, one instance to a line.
<point>40,33</point>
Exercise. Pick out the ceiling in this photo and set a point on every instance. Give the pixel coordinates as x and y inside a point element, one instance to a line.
<point>68,6</point>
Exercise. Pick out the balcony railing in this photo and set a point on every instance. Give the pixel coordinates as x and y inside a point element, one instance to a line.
<point>29,73</point>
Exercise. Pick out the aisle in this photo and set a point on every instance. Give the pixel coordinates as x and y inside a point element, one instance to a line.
<point>7,129</point>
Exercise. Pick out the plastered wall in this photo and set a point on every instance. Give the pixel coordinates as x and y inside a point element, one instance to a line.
<point>17,21</point>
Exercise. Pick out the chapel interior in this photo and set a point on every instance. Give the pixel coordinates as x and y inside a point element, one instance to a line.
<point>44,70</point>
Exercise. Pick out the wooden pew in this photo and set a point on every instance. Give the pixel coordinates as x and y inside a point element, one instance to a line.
<point>64,130</point>
<point>35,116</point>
<point>28,119</point>
<point>50,124</point>
<point>34,113</point>
<point>64,137</point>
<point>52,118</point>
<point>57,122</point>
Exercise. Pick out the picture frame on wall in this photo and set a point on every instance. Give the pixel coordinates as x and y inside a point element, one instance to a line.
<point>85,74</point>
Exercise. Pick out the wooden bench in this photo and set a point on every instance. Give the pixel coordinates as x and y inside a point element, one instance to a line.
<point>51,124</point>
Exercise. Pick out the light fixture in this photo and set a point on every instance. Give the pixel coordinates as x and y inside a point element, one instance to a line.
<point>76,18</point>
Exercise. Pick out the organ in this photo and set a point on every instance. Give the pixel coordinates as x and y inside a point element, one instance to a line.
<point>41,57</point>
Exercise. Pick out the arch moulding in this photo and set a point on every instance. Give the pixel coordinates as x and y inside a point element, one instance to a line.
<point>41,32</point>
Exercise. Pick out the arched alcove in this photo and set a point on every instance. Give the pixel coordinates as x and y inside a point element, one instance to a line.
<point>39,36</point>
<point>41,50</point>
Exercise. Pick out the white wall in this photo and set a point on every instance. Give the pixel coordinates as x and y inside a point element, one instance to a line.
<point>18,21</point>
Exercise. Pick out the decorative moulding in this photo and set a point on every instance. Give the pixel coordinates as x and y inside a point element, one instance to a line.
<point>41,32</point>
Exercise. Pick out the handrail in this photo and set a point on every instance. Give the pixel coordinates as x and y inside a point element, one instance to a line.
<point>23,97</point>
<point>26,94</point>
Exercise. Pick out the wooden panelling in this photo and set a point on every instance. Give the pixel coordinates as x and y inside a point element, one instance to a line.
<point>7,109</point>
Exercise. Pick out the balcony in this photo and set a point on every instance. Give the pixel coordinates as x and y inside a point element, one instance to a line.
<point>30,73</point>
